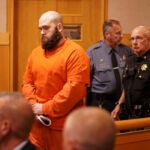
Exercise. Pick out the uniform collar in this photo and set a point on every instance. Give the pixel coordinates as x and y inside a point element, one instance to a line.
<point>109,49</point>
<point>144,56</point>
<point>21,145</point>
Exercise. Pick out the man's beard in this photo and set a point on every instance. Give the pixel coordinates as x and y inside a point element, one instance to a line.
<point>52,42</point>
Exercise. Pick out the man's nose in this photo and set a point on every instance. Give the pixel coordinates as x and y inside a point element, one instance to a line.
<point>43,31</point>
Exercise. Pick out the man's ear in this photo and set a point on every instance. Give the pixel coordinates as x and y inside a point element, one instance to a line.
<point>5,127</point>
<point>60,27</point>
<point>107,34</point>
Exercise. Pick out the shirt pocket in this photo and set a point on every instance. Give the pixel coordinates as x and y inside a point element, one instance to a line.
<point>144,75</point>
<point>104,74</point>
<point>142,80</point>
<point>130,72</point>
<point>122,64</point>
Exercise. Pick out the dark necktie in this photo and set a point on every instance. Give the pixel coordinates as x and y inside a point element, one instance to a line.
<point>116,72</point>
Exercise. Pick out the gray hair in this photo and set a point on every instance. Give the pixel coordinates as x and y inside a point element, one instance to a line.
<point>107,26</point>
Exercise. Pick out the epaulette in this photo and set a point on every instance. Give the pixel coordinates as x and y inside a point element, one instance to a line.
<point>95,46</point>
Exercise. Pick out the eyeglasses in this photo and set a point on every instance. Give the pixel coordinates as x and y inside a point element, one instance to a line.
<point>137,39</point>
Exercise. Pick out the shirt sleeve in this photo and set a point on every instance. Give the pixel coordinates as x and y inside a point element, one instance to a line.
<point>28,88</point>
<point>74,90</point>
<point>63,102</point>
<point>89,53</point>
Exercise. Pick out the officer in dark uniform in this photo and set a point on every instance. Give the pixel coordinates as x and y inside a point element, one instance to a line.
<point>136,76</point>
<point>105,88</point>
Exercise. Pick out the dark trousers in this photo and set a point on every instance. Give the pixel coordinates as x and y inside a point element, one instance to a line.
<point>135,111</point>
<point>105,101</point>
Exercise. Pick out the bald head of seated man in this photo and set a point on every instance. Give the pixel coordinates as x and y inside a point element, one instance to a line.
<point>89,128</point>
<point>16,119</point>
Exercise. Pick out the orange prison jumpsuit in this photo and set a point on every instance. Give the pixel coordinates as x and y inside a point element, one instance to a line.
<point>58,80</point>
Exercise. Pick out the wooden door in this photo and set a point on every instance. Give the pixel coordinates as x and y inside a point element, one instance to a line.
<point>4,62</point>
<point>86,14</point>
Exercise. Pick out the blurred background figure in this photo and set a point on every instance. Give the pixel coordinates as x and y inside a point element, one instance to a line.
<point>89,128</point>
<point>136,76</point>
<point>107,59</point>
<point>16,119</point>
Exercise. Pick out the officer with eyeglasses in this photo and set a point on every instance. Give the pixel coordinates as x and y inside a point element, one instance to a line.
<point>136,76</point>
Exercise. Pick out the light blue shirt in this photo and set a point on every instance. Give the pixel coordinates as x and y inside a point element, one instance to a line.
<point>102,75</point>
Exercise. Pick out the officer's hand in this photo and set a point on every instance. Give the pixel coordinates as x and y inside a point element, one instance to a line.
<point>115,113</point>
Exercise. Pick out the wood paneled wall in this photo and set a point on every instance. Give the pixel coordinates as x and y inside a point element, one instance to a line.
<point>3,15</point>
<point>22,26</point>
<point>126,39</point>
<point>88,14</point>
<point>4,62</point>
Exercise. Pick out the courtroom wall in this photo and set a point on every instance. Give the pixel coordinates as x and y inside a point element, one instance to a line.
<point>131,13</point>
<point>3,15</point>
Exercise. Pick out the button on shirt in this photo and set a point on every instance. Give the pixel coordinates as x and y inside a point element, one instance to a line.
<point>102,76</point>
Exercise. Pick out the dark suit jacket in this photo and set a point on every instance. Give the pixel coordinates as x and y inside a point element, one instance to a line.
<point>29,146</point>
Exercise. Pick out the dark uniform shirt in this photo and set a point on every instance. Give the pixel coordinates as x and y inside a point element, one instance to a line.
<point>136,80</point>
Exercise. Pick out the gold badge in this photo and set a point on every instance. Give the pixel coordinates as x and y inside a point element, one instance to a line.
<point>124,57</point>
<point>140,76</point>
<point>144,67</point>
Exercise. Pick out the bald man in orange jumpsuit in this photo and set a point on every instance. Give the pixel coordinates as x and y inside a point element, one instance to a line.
<point>55,80</point>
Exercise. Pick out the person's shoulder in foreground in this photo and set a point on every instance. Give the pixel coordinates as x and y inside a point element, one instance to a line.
<point>89,128</point>
<point>16,119</point>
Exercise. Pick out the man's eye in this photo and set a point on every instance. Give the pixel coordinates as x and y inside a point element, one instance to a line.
<point>137,38</point>
<point>119,33</point>
<point>46,28</point>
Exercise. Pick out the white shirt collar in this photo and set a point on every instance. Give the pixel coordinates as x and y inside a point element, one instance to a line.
<point>21,145</point>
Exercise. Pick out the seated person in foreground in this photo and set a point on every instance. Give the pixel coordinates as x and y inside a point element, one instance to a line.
<point>89,128</point>
<point>16,119</point>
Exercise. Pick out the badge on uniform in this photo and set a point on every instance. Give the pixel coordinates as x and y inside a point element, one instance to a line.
<point>102,63</point>
<point>144,67</point>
